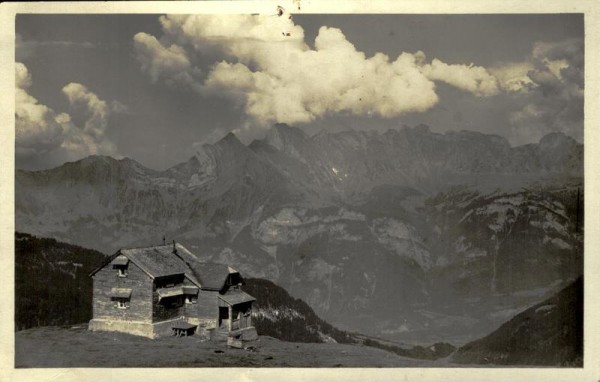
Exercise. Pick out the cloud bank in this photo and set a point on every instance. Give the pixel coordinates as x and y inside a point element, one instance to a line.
<point>45,137</point>
<point>272,72</point>
<point>550,83</point>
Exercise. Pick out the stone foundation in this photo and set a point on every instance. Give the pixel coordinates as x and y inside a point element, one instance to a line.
<point>162,329</point>
<point>203,323</point>
<point>136,328</point>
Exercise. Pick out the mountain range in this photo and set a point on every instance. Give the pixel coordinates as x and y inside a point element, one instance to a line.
<point>406,234</point>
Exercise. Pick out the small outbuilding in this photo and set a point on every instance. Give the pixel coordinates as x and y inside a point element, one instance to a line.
<point>165,290</point>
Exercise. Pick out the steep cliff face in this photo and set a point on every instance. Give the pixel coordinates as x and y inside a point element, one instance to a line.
<point>406,232</point>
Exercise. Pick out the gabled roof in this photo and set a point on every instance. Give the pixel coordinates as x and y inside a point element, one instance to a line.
<point>234,297</point>
<point>212,276</point>
<point>157,261</point>
<point>160,261</point>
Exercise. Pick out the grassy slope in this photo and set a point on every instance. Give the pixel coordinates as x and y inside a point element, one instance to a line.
<point>549,333</point>
<point>77,347</point>
<point>53,288</point>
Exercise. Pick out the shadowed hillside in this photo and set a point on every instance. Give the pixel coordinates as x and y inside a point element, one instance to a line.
<point>549,333</point>
<point>52,286</point>
<point>279,315</point>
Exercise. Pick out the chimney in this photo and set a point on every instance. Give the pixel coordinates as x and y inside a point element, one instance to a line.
<point>174,248</point>
<point>164,240</point>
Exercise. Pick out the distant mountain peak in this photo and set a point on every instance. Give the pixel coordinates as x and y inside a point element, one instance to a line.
<point>229,141</point>
<point>96,158</point>
<point>422,129</point>
<point>229,136</point>
<point>556,139</point>
<point>283,136</point>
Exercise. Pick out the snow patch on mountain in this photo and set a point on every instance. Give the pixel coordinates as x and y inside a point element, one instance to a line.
<point>294,225</point>
<point>503,212</point>
<point>464,247</point>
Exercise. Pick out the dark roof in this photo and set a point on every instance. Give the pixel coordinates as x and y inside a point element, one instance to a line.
<point>234,297</point>
<point>156,261</point>
<point>212,276</point>
<point>159,261</point>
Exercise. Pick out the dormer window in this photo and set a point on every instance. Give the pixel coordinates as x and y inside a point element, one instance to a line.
<point>233,279</point>
<point>191,294</point>
<point>120,264</point>
<point>122,271</point>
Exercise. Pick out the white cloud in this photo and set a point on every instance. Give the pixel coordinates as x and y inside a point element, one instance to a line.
<point>159,61</point>
<point>277,77</point>
<point>551,81</point>
<point>470,78</point>
<point>266,66</point>
<point>512,77</point>
<point>97,109</point>
<point>37,129</point>
<point>44,137</point>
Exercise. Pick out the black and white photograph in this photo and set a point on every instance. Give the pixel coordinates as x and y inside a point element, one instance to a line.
<point>287,188</point>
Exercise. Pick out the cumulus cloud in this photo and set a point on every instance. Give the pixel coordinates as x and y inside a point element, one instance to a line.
<point>37,128</point>
<point>512,77</point>
<point>97,109</point>
<point>551,84</point>
<point>271,72</point>
<point>158,61</point>
<point>44,137</point>
<point>470,78</point>
<point>277,77</point>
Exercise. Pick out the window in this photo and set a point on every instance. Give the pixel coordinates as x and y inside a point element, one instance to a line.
<point>191,299</point>
<point>121,270</point>
<point>120,263</point>
<point>122,302</point>
<point>172,302</point>
<point>233,280</point>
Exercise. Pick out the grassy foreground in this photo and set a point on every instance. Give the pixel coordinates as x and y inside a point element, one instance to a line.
<point>77,347</point>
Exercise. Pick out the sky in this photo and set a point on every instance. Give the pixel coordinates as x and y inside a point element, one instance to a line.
<point>156,87</point>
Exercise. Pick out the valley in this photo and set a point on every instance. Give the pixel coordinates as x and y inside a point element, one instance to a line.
<point>407,235</point>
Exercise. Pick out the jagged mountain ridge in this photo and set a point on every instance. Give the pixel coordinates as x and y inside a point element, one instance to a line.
<point>357,161</point>
<point>351,222</point>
